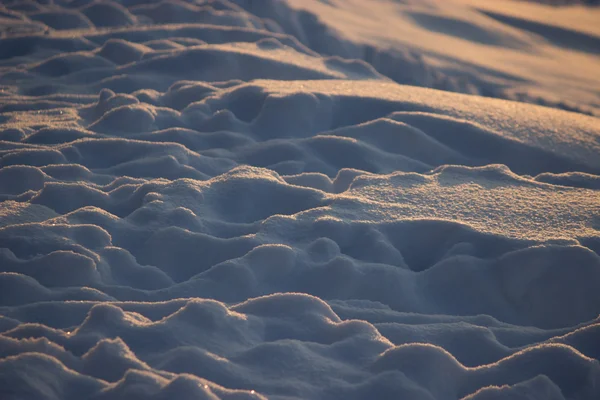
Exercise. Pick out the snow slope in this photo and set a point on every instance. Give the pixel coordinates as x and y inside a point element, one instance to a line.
<point>237,199</point>
<point>498,48</point>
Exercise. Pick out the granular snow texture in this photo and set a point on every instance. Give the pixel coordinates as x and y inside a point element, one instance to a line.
<point>239,199</point>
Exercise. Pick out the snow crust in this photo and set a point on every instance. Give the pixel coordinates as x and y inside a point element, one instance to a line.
<point>243,200</point>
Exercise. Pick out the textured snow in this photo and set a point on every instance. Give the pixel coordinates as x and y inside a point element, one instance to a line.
<point>245,199</point>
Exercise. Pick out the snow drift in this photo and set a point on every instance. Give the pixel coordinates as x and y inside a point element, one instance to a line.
<point>237,199</point>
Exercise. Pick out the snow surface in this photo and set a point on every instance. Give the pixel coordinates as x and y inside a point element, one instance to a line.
<point>239,199</point>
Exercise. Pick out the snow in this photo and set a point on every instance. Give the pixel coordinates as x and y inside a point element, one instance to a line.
<point>302,199</point>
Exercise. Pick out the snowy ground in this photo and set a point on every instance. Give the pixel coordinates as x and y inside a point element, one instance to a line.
<point>240,199</point>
